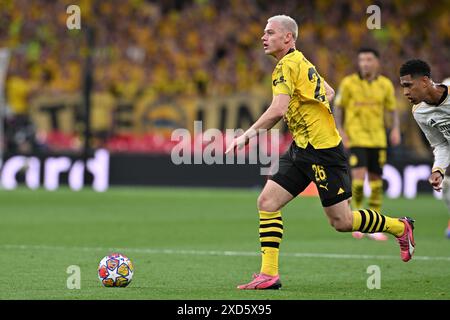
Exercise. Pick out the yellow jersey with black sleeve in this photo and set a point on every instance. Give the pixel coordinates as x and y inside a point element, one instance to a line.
<point>364,103</point>
<point>309,116</point>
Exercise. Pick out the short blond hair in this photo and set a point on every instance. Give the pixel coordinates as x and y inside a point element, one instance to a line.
<point>288,24</point>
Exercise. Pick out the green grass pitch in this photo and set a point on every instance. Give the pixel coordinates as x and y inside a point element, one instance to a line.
<point>200,243</point>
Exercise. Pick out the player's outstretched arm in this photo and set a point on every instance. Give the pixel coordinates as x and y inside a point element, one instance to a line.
<point>267,120</point>
<point>441,151</point>
<point>339,114</point>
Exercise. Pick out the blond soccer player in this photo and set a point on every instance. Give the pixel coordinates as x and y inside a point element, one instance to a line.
<point>316,154</point>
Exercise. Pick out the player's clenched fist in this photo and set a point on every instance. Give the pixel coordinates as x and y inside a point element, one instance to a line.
<point>435,180</point>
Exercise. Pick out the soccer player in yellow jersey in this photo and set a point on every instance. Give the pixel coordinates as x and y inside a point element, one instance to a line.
<point>361,103</point>
<point>300,96</point>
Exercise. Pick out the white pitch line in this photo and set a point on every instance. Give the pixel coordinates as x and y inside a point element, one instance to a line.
<point>220,253</point>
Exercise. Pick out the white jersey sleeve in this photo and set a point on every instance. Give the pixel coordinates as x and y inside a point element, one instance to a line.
<point>440,145</point>
<point>434,121</point>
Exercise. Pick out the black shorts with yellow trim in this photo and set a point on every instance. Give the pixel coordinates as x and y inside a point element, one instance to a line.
<point>327,168</point>
<point>372,158</point>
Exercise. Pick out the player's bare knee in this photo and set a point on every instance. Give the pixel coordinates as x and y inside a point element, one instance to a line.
<point>266,203</point>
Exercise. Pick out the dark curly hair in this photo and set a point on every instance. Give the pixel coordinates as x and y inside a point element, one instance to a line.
<point>415,67</point>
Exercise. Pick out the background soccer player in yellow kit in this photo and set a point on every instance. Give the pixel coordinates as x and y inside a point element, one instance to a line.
<point>362,101</point>
<point>316,154</point>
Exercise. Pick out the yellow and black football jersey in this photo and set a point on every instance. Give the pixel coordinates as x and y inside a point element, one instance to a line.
<point>364,104</point>
<point>309,117</point>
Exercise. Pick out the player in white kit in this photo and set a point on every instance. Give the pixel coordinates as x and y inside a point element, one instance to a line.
<point>431,110</point>
<point>446,182</point>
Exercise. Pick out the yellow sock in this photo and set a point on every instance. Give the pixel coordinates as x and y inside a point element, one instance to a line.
<point>357,193</point>
<point>369,221</point>
<point>376,195</point>
<point>270,235</point>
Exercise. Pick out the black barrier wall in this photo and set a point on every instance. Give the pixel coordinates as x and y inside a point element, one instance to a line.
<point>104,170</point>
<point>129,169</point>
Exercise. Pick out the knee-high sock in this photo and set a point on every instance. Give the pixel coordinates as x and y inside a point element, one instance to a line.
<point>370,221</point>
<point>358,193</point>
<point>270,235</point>
<point>376,195</point>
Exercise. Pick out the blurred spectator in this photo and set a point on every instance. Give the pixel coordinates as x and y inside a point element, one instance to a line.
<point>202,46</point>
<point>19,130</point>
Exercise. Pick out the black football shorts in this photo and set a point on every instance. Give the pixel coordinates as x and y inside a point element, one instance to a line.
<point>371,158</point>
<point>327,168</point>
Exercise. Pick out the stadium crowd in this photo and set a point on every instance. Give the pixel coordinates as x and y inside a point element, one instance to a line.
<point>204,47</point>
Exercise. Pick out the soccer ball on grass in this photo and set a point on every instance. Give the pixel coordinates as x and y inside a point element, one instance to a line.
<point>115,270</point>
